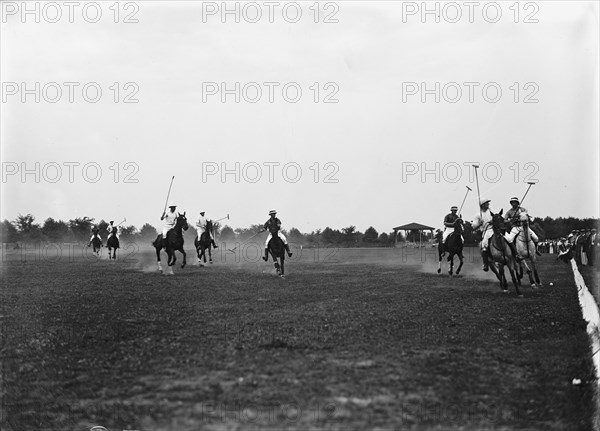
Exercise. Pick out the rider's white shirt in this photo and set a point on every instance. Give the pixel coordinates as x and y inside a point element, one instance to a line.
<point>484,219</point>
<point>201,223</point>
<point>171,219</point>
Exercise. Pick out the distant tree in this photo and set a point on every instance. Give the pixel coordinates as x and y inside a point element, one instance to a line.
<point>81,228</point>
<point>295,236</point>
<point>469,235</point>
<point>28,230</point>
<point>227,234</point>
<point>350,235</point>
<point>331,236</point>
<point>55,230</point>
<point>371,235</point>
<point>102,225</point>
<point>9,232</point>
<point>382,239</point>
<point>24,223</point>
<point>148,233</point>
<point>127,233</point>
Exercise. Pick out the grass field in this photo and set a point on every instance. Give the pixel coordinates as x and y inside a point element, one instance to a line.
<point>350,340</point>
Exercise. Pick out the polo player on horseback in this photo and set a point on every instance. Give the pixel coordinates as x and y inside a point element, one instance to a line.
<point>201,225</point>
<point>170,219</point>
<point>449,223</point>
<point>273,225</point>
<point>112,230</point>
<point>95,233</point>
<point>483,221</point>
<point>517,216</point>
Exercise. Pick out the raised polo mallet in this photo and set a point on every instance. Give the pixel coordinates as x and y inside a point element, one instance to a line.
<point>478,195</point>
<point>124,220</point>
<point>464,199</point>
<point>223,218</point>
<point>168,194</point>
<point>530,184</point>
<point>237,246</point>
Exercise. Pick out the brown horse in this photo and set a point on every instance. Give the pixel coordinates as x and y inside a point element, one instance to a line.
<point>276,249</point>
<point>454,247</point>
<point>204,243</point>
<point>174,243</point>
<point>500,253</point>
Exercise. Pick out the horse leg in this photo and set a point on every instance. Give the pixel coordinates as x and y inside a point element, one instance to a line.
<point>282,266</point>
<point>184,257</point>
<point>514,280</point>
<point>450,264</point>
<point>158,249</point>
<point>529,274</point>
<point>210,255</point>
<point>503,282</point>
<point>460,265</point>
<point>439,270</point>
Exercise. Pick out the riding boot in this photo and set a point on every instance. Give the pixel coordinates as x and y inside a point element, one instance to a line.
<point>513,248</point>
<point>164,243</point>
<point>536,249</point>
<point>484,255</point>
<point>287,247</point>
<point>213,243</point>
<point>266,256</point>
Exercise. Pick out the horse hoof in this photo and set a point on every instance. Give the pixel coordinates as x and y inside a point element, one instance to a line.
<point>505,291</point>
<point>520,296</point>
<point>211,262</point>
<point>439,271</point>
<point>282,275</point>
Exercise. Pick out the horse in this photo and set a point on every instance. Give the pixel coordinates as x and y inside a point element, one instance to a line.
<point>526,251</point>
<point>276,248</point>
<point>204,243</point>
<point>499,252</point>
<point>174,243</point>
<point>96,243</point>
<point>112,243</point>
<point>454,246</point>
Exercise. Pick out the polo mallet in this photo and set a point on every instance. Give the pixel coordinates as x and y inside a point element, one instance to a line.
<point>530,184</point>
<point>222,218</point>
<point>478,195</point>
<point>168,194</point>
<point>124,220</point>
<point>518,209</point>
<point>237,246</point>
<point>465,198</point>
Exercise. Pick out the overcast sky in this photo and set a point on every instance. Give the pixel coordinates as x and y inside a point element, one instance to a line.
<point>361,159</point>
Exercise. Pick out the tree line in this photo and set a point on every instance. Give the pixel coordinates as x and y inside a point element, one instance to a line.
<point>25,229</point>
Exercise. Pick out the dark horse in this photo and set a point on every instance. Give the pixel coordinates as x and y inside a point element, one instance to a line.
<point>204,243</point>
<point>499,252</point>
<point>96,243</point>
<point>112,243</point>
<point>454,246</point>
<point>276,249</point>
<point>174,243</point>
